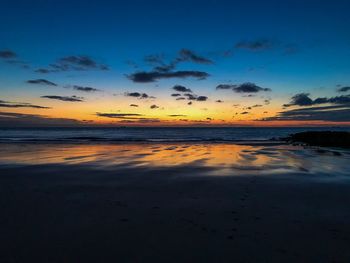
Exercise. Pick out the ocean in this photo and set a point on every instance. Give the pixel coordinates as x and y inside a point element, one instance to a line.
<point>153,134</point>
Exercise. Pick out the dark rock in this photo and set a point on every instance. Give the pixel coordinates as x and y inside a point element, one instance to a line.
<point>321,138</point>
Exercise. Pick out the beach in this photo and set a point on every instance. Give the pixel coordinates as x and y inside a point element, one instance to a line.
<point>174,202</point>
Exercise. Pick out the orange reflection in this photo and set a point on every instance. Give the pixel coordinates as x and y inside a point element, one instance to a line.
<point>222,158</point>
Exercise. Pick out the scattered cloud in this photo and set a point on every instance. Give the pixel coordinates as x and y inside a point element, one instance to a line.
<point>225,86</point>
<point>10,57</point>
<point>128,117</point>
<point>9,104</point>
<point>41,82</point>
<point>219,101</point>
<point>344,89</point>
<point>152,76</point>
<point>141,120</point>
<point>7,54</point>
<point>176,95</point>
<point>76,63</point>
<point>177,115</point>
<point>64,98</point>
<point>154,106</point>
<point>165,70</point>
<point>119,115</point>
<point>247,87</point>
<point>133,105</point>
<point>180,88</point>
<point>139,95</point>
<point>255,45</point>
<point>336,113</point>
<point>11,119</point>
<point>85,89</point>
<point>303,99</point>
<point>190,96</point>
<point>244,112</point>
<point>202,98</point>
<point>189,55</point>
<point>267,101</point>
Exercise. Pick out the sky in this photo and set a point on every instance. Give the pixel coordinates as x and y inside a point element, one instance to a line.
<point>174,63</point>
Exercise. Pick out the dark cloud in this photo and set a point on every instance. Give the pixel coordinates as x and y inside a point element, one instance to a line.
<point>79,63</point>
<point>164,70</point>
<point>255,45</point>
<point>303,99</point>
<point>44,70</point>
<point>11,119</point>
<point>245,112</point>
<point>127,117</point>
<point>202,98</point>
<point>190,96</point>
<point>141,120</point>
<point>154,106</point>
<point>177,115</point>
<point>41,82</point>
<point>152,76</point>
<point>336,113</point>
<point>257,105</point>
<point>190,103</point>
<point>180,88</point>
<point>184,55</point>
<point>267,101</point>
<point>159,64</point>
<point>246,87</point>
<point>188,55</point>
<point>7,54</point>
<point>64,98</point>
<point>219,101</point>
<point>11,57</point>
<point>139,95</point>
<point>155,59</point>
<point>19,63</point>
<point>9,104</point>
<point>344,89</point>
<point>224,86</point>
<point>175,94</point>
<point>85,89</point>
<point>133,105</point>
<point>119,115</point>
<point>180,98</point>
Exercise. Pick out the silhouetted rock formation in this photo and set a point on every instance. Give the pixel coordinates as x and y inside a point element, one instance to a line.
<point>322,138</point>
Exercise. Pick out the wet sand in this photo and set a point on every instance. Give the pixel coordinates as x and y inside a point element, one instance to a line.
<point>173,203</point>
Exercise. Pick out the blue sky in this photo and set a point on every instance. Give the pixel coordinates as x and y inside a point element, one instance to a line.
<point>290,47</point>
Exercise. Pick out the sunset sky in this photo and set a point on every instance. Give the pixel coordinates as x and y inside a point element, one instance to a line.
<point>259,63</point>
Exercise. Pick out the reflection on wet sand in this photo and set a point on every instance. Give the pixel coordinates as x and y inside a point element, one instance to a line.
<point>227,159</point>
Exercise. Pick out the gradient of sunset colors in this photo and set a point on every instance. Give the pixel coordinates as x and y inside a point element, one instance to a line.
<point>177,63</point>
